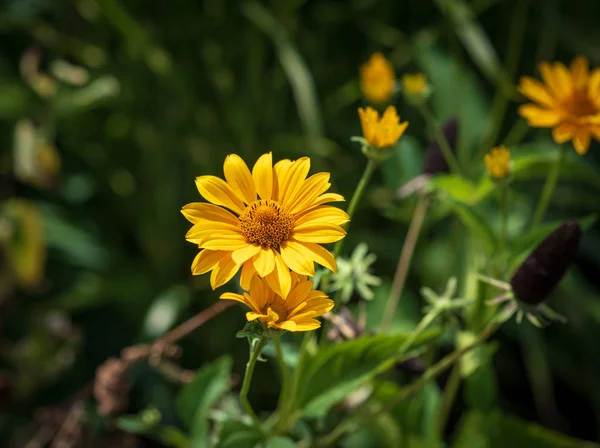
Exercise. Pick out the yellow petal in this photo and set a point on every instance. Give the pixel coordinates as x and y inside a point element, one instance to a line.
<point>563,132</point>
<point>310,189</point>
<point>288,325</point>
<point>227,244</point>
<point>295,257</point>
<point>280,279</point>
<point>248,272</point>
<point>233,296</point>
<point>538,117</point>
<point>326,213</point>
<point>264,262</point>
<point>594,85</point>
<point>536,91</point>
<point>263,176</point>
<point>239,178</point>
<point>223,272</point>
<point>307,325</point>
<point>298,295</point>
<point>206,260</point>
<point>219,192</point>
<point>581,141</point>
<point>202,233</point>
<point>318,232</point>
<point>320,255</point>
<point>200,211</point>
<point>327,197</point>
<point>291,180</point>
<point>580,72</point>
<point>245,253</point>
<point>557,78</point>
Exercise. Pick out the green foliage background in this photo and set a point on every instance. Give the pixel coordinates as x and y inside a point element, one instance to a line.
<point>176,86</point>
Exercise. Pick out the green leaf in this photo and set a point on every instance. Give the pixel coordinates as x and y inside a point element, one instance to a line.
<point>474,220</point>
<point>495,430</point>
<point>338,370</point>
<point>279,442</point>
<point>455,186</point>
<point>237,434</point>
<point>197,398</point>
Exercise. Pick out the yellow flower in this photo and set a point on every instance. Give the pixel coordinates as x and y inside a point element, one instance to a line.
<point>295,313</point>
<point>414,84</point>
<point>276,222</point>
<point>568,101</point>
<point>377,79</point>
<point>383,132</point>
<point>497,162</point>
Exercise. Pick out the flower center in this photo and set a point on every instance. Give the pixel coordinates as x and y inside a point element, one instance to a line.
<point>579,104</point>
<point>265,222</point>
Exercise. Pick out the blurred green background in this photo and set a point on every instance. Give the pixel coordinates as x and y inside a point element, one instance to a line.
<point>109,109</point>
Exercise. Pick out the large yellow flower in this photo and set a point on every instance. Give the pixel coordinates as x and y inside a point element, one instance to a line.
<point>377,79</point>
<point>276,222</point>
<point>569,102</point>
<point>297,312</point>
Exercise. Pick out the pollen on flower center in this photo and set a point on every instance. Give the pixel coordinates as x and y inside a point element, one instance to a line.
<point>265,222</point>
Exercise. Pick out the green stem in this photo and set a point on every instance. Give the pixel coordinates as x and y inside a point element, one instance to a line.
<point>408,249</point>
<point>347,426</point>
<point>440,138</point>
<point>248,379</point>
<point>546,195</point>
<point>425,322</point>
<point>286,408</point>
<point>503,217</point>
<point>516,133</point>
<point>448,398</point>
<point>356,197</point>
<point>285,374</point>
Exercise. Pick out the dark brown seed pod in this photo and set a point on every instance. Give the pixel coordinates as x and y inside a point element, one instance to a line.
<point>541,272</point>
<point>435,162</point>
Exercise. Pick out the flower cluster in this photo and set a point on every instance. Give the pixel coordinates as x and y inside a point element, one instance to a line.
<point>269,223</point>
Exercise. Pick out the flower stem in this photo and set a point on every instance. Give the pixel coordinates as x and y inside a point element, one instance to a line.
<point>404,262</point>
<point>255,353</point>
<point>503,217</point>
<point>546,195</point>
<point>440,139</point>
<point>447,400</point>
<point>423,324</point>
<point>286,408</point>
<point>356,197</point>
<point>285,373</point>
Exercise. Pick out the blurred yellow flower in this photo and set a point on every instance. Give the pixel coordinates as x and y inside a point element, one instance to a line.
<point>276,222</point>
<point>377,79</point>
<point>568,101</point>
<point>383,132</point>
<point>414,84</point>
<point>497,162</point>
<point>295,313</point>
